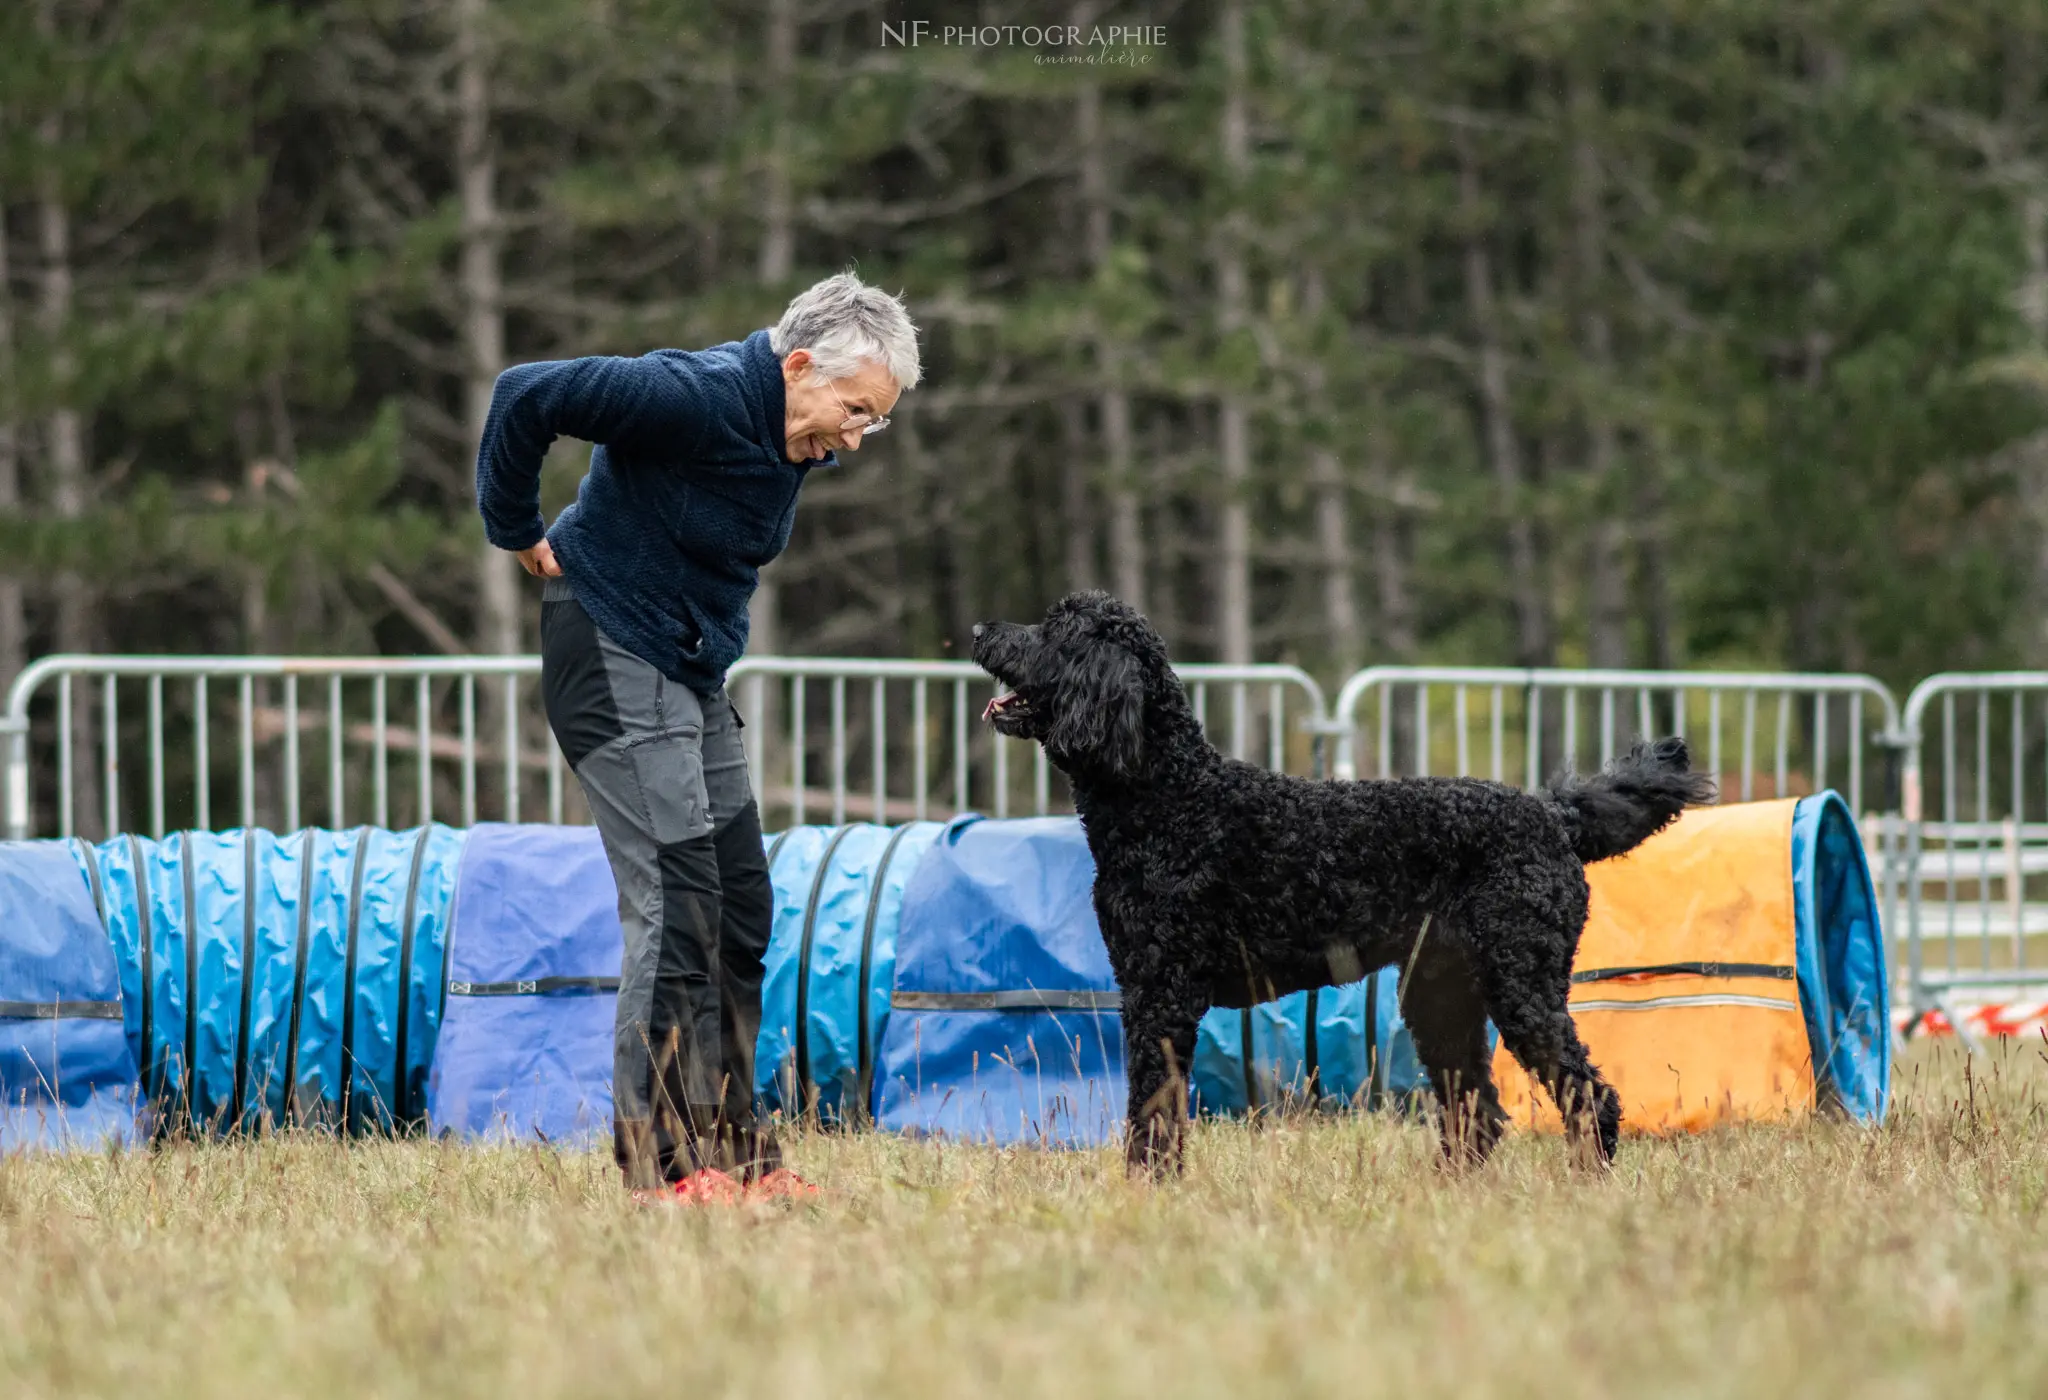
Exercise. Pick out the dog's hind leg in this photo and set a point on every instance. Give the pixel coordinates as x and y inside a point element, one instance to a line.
<point>1445,1011</point>
<point>1528,986</point>
<point>1548,1046</point>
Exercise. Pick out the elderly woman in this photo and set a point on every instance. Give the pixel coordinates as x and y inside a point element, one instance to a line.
<point>692,488</point>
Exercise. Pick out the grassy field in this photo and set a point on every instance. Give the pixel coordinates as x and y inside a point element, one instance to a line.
<point>1297,1258</point>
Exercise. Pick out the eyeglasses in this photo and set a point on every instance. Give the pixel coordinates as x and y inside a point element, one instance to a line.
<point>868,424</point>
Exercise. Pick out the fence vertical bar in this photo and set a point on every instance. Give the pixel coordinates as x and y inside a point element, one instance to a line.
<point>1948,816</point>
<point>1571,727</point>
<point>511,747</point>
<point>1646,715</point>
<point>110,723</point>
<point>838,750</point>
<point>1276,728</point>
<point>879,740</point>
<point>1781,775</point>
<point>468,693</point>
<point>202,779</point>
<point>757,753</point>
<point>1386,729</point>
<point>1460,719</point>
<point>380,757</point>
<point>65,777</point>
<point>291,753</point>
<point>1202,707</point>
<point>1714,734</point>
<point>961,770</point>
<point>1422,729</point>
<point>1240,716</point>
<point>554,752</point>
<point>797,775</point>
<point>1533,722</point>
<point>423,721</point>
<point>1606,724</point>
<point>156,757</point>
<point>920,767</point>
<point>1856,752</point>
<point>1820,744</point>
<point>1748,741</point>
<point>1983,785</point>
<point>248,750</point>
<point>1002,771</point>
<point>1494,735</point>
<point>1041,781</point>
<point>2016,884</point>
<point>337,777</point>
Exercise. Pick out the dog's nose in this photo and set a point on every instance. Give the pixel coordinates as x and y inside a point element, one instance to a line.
<point>979,628</point>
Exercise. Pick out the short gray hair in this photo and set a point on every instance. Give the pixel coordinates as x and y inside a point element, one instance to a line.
<point>844,322</point>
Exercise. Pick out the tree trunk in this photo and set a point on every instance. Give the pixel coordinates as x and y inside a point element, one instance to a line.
<point>258,622</point>
<point>1606,586</point>
<point>1389,549</point>
<point>64,452</point>
<point>1654,578</point>
<point>777,260</point>
<point>500,601</point>
<point>1233,419</point>
<point>1113,401</point>
<point>1503,451</point>
<point>13,610</point>
<point>1333,505</point>
<point>1077,518</point>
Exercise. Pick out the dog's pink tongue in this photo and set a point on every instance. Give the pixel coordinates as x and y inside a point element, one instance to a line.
<point>995,706</point>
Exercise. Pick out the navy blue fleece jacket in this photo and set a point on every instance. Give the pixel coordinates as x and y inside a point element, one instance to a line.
<point>687,496</point>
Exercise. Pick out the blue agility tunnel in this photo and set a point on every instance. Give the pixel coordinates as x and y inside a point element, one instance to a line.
<point>67,1072</point>
<point>271,980</point>
<point>935,979</point>
<point>1331,1047</point>
<point>533,977</point>
<point>1844,987</point>
<point>1004,1025</point>
<point>831,964</point>
<point>1007,1025</point>
<point>526,1043</point>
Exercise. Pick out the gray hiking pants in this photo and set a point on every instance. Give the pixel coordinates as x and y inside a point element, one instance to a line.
<point>665,774</point>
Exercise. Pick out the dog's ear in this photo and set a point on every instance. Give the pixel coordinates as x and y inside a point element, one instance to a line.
<point>1102,710</point>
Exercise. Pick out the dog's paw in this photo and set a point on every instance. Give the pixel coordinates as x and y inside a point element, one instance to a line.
<point>1153,1149</point>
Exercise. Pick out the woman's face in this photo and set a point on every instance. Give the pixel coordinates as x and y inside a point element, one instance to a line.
<point>814,410</point>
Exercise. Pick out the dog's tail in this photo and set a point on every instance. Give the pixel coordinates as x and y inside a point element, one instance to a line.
<point>1632,799</point>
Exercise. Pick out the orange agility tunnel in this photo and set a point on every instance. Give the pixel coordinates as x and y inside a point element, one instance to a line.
<point>1732,969</point>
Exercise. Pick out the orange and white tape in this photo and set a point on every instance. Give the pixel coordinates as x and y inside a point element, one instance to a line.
<point>1993,1019</point>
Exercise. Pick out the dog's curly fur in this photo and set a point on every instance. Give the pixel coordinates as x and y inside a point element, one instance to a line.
<point>1219,883</point>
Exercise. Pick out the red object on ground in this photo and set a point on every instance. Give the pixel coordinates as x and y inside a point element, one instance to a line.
<point>782,1183</point>
<point>709,1187</point>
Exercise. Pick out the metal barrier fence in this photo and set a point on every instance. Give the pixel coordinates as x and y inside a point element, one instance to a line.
<point>96,743</point>
<point>1976,772</point>
<point>402,740</point>
<point>907,728</point>
<point>1808,729</point>
<point>1761,735</point>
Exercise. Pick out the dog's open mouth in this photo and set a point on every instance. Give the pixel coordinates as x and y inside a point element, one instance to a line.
<point>1008,705</point>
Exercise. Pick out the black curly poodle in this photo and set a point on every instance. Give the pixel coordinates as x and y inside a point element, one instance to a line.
<point>1218,883</point>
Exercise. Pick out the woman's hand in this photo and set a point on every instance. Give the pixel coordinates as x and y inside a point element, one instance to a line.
<point>538,561</point>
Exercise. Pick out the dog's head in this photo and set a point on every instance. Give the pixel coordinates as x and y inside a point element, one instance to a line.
<point>1081,683</point>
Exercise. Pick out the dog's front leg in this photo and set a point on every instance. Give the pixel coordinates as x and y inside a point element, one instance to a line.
<point>1159,1047</point>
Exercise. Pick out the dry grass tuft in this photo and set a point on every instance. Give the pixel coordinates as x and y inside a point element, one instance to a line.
<point>1300,1258</point>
